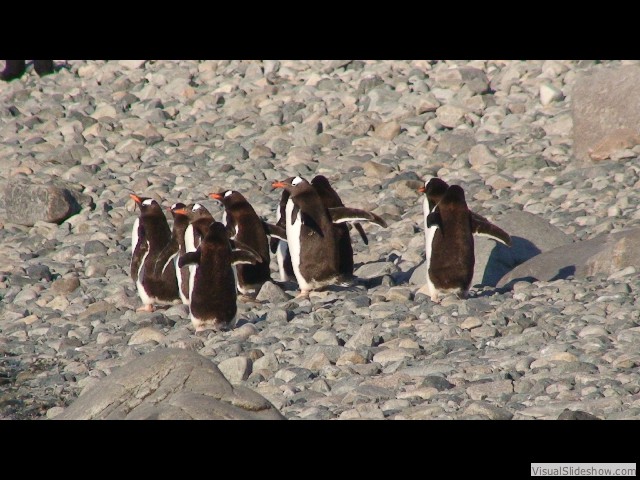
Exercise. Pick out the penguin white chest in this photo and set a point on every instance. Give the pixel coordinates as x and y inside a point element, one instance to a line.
<point>293,240</point>
<point>429,233</point>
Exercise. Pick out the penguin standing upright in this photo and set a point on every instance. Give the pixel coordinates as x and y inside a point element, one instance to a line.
<point>180,224</point>
<point>331,199</point>
<point>310,234</point>
<point>213,296</point>
<point>281,247</point>
<point>243,224</point>
<point>451,252</point>
<point>151,267</point>
<point>199,221</point>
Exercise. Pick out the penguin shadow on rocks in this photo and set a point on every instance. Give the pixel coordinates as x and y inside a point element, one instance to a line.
<point>503,259</point>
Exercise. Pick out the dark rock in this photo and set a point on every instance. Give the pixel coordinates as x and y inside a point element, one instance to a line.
<point>27,203</point>
<point>576,415</point>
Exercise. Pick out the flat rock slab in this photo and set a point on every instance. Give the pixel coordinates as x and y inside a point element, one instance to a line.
<point>604,100</point>
<point>27,203</point>
<point>604,254</point>
<point>169,384</point>
<point>530,234</point>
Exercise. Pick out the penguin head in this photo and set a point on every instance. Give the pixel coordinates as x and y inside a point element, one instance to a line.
<point>453,196</point>
<point>321,181</point>
<point>217,234</point>
<point>434,188</point>
<point>290,183</point>
<point>195,211</point>
<point>228,197</point>
<point>148,206</point>
<point>178,209</point>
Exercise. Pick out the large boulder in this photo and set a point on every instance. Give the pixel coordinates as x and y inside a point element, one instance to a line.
<point>602,255</point>
<point>606,111</point>
<point>169,384</point>
<point>26,203</point>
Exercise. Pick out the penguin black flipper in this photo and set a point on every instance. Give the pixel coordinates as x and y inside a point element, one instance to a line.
<point>189,258</point>
<point>434,220</point>
<point>276,233</point>
<point>346,214</point>
<point>240,256</point>
<point>482,227</point>
<point>237,245</point>
<point>363,235</point>
<point>141,247</point>
<point>310,222</point>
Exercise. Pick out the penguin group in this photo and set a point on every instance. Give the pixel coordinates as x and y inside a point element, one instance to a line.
<point>205,264</point>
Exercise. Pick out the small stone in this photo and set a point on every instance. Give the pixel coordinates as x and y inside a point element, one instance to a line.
<point>146,334</point>
<point>131,64</point>
<point>376,170</point>
<point>317,361</point>
<point>362,338</point>
<point>549,94</point>
<point>270,292</point>
<point>450,115</point>
<point>391,355</point>
<point>489,410</point>
<point>592,330</point>
<point>236,369</point>
<point>25,204</point>
<point>576,415</point>
<point>65,285</point>
<point>471,323</point>
<point>351,358</point>
<point>388,130</point>
<point>325,337</point>
<point>490,389</point>
<point>480,155</point>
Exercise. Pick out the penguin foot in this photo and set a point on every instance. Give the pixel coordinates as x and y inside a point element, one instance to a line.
<point>303,294</point>
<point>146,308</point>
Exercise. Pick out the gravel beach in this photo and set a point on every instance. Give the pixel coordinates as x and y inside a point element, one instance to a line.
<point>552,324</point>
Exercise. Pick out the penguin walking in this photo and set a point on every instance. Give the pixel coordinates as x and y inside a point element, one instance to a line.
<point>151,267</point>
<point>315,254</point>
<point>180,224</point>
<point>449,245</point>
<point>331,199</point>
<point>244,225</point>
<point>213,296</point>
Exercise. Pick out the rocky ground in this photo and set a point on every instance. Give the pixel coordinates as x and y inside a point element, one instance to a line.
<point>92,133</point>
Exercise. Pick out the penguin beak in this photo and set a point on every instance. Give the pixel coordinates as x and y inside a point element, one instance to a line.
<point>278,184</point>
<point>215,196</point>
<point>136,198</point>
<point>181,211</point>
<point>422,189</point>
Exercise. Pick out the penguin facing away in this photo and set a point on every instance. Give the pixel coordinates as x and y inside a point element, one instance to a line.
<point>180,224</point>
<point>151,267</point>
<point>315,255</point>
<point>244,225</point>
<point>331,199</point>
<point>451,252</point>
<point>213,296</point>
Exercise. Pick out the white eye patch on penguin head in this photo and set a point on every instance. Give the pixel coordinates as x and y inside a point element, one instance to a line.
<point>228,193</point>
<point>296,181</point>
<point>148,201</point>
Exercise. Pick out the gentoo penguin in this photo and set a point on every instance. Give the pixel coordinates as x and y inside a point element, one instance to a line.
<point>151,268</point>
<point>310,234</point>
<point>243,224</point>
<point>449,245</point>
<point>331,199</point>
<point>213,293</point>
<point>281,247</point>
<point>180,224</point>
